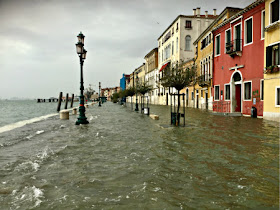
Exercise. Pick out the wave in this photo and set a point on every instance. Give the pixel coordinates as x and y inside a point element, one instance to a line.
<point>24,122</point>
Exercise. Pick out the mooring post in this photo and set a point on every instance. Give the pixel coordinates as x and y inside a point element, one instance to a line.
<point>59,101</point>
<point>72,100</point>
<point>66,101</point>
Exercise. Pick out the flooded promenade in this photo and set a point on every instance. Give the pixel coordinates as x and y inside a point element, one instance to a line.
<point>125,160</point>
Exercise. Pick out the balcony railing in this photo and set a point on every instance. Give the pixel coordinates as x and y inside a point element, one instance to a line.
<point>204,80</point>
<point>234,47</point>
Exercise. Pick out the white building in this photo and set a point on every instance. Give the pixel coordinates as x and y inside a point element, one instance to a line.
<point>175,44</point>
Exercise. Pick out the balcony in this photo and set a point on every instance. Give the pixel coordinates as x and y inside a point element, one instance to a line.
<point>234,47</point>
<point>204,80</point>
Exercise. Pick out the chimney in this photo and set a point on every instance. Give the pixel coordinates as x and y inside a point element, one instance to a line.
<point>206,14</point>
<point>198,11</point>
<point>194,12</point>
<point>214,12</point>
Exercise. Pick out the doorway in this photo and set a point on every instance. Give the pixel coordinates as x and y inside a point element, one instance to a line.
<point>238,97</point>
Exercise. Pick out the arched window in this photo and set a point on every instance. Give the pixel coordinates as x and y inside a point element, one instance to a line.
<point>188,43</point>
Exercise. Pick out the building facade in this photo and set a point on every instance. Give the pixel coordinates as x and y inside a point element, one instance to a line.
<point>272,57</point>
<point>175,45</point>
<point>202,91</point>
<point>150,76</point>
<point>238,62</point>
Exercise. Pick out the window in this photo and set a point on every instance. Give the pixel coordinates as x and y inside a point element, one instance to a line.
<point>188,43</point>
<point>248,31</point>
<point>201,93</point>
<point>275,55</point>
<point>172,47</point>
<point>274,11</point>
<point>188,24</point>
<point>177,44</point>
<point>277,96</point>
<point>272,55</point>
<point>172,31</point>
<point>227,92</point>
<point>217,93</point>
<point>263,24</point>
<point>218,45</point>
<point>237,37</point>
<point>228,40</point>
<point>247,90</point>
<point>177,27</point>
<point>262,90</point>
<point>192,96</point>
<point>209,38</point>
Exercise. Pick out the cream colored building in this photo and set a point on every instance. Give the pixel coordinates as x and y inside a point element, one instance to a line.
<point>271,81</point>
<point>151,71</point>
<point>175,44</point>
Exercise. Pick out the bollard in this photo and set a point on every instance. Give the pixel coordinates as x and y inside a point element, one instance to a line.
<point>64,115</point>
<point>74,111</point>
<point>59,101</point>
<point>66,101</point>
<point>72,100</point>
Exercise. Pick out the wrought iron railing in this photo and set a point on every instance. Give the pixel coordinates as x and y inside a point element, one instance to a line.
<point>204,80</point>
<point>234,46</point>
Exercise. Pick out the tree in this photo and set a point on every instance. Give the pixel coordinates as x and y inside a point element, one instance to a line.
<point>89,92</point>
<point>144,88</point>
<point>178,77</point>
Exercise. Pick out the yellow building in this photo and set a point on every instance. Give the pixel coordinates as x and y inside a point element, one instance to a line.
<point>271,85</point>
<point>199,95</point>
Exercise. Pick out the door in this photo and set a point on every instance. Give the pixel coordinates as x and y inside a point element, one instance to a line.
<point>197,99</point>
<point>238,97</point>
<point>167,99</point>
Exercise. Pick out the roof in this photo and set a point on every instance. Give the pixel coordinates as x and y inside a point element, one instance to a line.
<point>188,16</point>
<point>216,20</point>
<point>153,50</point>
<point>246,9</point>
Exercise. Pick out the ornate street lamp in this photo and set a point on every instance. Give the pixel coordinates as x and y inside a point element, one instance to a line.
<point>136,105</point>
<point>82,55</point>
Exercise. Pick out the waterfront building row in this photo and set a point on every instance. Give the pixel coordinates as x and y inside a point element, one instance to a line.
<point>236,55</point>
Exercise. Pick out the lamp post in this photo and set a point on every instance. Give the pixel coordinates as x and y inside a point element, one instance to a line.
<point>99,94</point>
<point>136,105</point>
<point>82,55</point>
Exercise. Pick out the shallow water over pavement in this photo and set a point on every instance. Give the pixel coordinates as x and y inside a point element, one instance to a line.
<point>124,160</point>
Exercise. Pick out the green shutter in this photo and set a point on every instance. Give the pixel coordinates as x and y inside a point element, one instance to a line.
<point>268,56</point>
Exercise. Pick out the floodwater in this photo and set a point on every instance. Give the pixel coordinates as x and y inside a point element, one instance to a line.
<point>125,160</point>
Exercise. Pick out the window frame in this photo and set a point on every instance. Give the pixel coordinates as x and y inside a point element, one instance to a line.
<point>244,91</point>
<point>216,55</point>
<point>190,48</point>
<point>245,31</point>
<point>262,24</point>
<point>234,34</point>
<point>270,14</point>
<point>215,93</point>
<point>225,92</point>
<point>229,29</point>
<point>277,87</point>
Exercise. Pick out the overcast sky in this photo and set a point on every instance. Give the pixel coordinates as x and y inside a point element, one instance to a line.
<point>38,56</point>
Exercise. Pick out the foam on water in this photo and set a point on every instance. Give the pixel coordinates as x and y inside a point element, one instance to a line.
<point>24,122</point>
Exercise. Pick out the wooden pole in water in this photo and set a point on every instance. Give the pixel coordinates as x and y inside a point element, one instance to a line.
<point>59,101</point>
<point>72,100</point>
<point>66,101</point>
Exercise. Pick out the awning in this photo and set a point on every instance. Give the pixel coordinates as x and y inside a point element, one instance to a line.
<point>163,67</point>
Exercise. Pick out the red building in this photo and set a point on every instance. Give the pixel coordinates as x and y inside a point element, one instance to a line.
<point>238,61</point>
